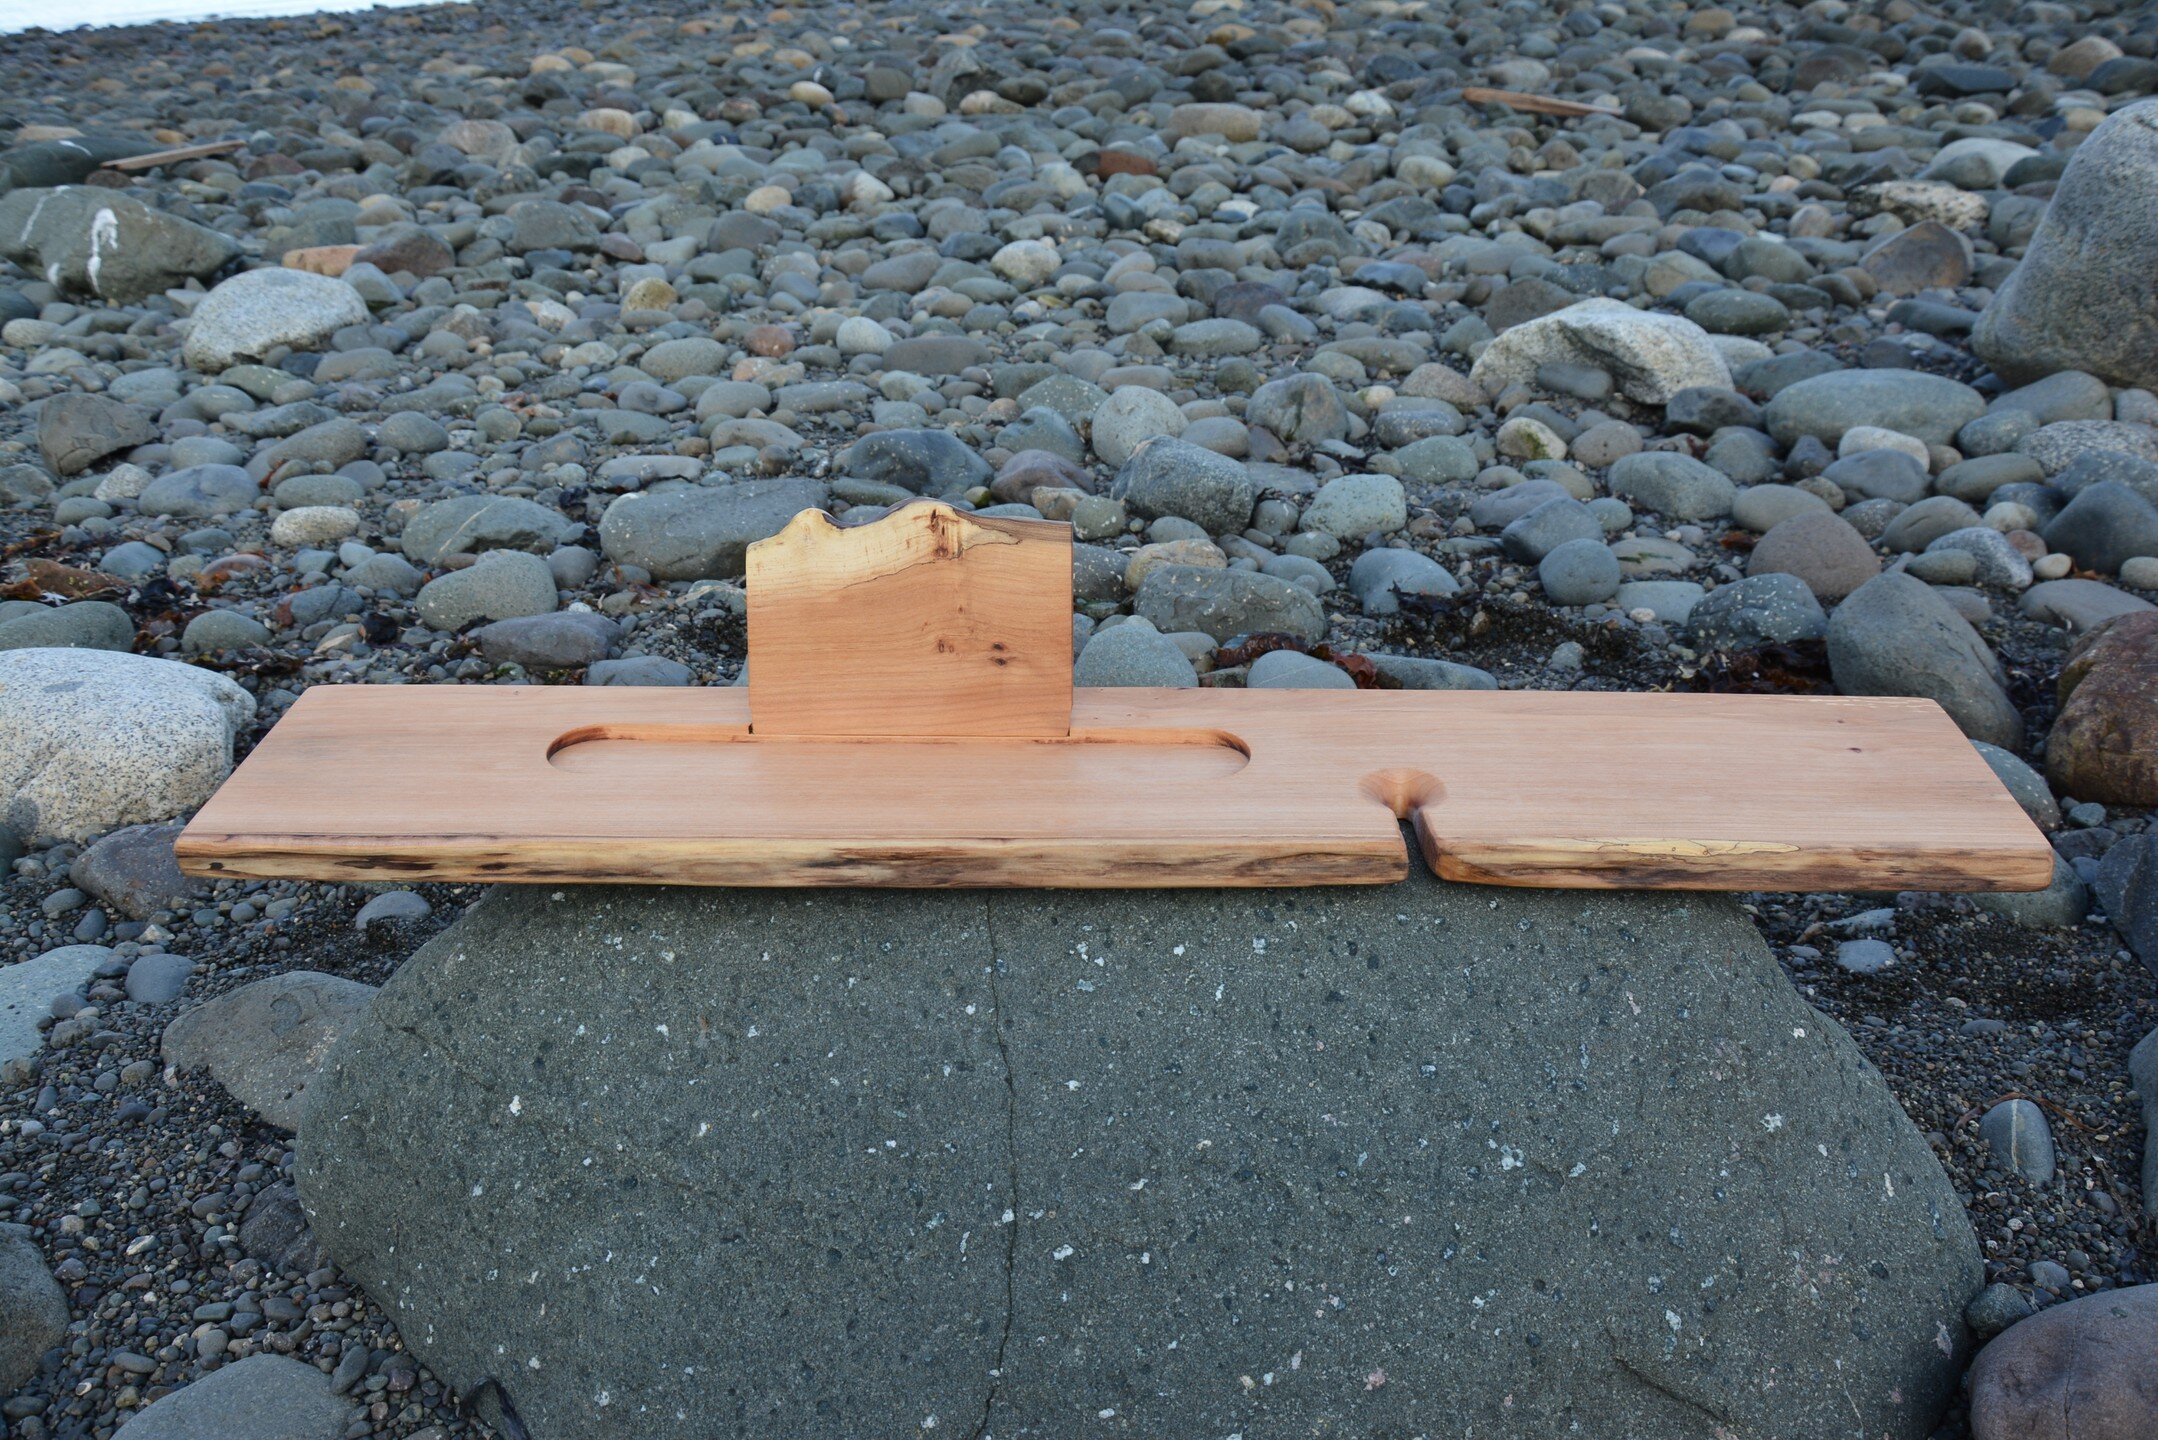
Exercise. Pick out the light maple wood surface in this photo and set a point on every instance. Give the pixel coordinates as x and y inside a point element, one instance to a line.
<point>915,724</point>
<point>928,622</point>
<point>1151,788</point>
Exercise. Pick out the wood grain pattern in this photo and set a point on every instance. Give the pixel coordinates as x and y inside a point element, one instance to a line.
<point>175,156</point>
<point>1149,788</point>
<point>929,622</point>
<point>1532,104</point>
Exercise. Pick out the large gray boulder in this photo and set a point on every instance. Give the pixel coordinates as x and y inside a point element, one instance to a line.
<point>2143,1073</point>
<point>27,991</point>
<point>2083,297</point>
<point>830,1164</point>
<point>91,241</point>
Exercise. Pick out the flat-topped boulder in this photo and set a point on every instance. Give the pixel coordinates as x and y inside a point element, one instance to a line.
<point>1161,1163</point>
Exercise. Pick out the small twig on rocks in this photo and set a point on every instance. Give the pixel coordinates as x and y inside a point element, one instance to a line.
<point>1534,104</point>
<point>173,157</point>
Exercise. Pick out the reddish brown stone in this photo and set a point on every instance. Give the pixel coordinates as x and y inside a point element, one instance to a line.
<point>770,341</point>
<point>2104,746</point>
<point>1122,162</point>
<point>1819,548</point>
<point>2086,1370</point>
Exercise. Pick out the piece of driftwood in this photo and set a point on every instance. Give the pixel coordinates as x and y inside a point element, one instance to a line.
<point>1534,104</point>
<point>156,158</point>
<point>909,720</point>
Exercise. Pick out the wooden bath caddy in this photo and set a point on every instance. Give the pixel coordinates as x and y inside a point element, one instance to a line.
<point>910,720</point>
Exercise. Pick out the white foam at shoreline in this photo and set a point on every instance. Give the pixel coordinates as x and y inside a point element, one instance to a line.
<point>19,15</point>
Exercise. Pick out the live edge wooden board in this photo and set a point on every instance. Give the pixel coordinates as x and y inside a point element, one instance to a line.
<point>910,721</point>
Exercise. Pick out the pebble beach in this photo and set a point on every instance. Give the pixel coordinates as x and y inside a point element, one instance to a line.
<point>1766,349</point>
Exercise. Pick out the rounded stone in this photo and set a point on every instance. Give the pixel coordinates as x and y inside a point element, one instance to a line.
<point>1299,410</point>
<point>860,335</point>
<point>1911,402</point>
<point>1170,477</point>
<point>215,630</point>
<point>1819,548</point>
<point>1134,653</point>
<point>83,625</point>
<point>1129,418</point>
<point>1650,356</point>
<point>1357,505</point>
<point>1895,635</point>
<point>1293,670</point>
<point>91,740</point>
<point>2086,266</point>
<point>314,525</point>
<point>1052,1105</point>
<point>1381,577</point>
<point>473,523</point>
<point>1768,609</point>
<point>1026,263</point>
<point>1675,486</point>
<point>2104,744</point>
<point>33,1311</point>
<point>1579,572</point>
<point>1760,508</point>
<point>499,585</point>
<point>252,314</point>
<point>263,1397</point>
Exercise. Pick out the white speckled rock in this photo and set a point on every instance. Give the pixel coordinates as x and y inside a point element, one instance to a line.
<point>1131,417</point>
<point>315,525</point>
<point>1026,263</point>
<point>252,314</point>
<point>1357,505</point>
<point>1651,356</point>
<point>860,335</point>
<point>91,740</point>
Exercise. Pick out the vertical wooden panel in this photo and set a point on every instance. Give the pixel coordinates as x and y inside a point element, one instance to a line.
<point>928,622</point>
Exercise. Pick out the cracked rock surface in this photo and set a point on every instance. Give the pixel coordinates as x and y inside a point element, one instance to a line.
<point>1174,1163</point>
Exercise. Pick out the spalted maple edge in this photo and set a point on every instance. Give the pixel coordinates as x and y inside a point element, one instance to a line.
<point>927,622</point>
